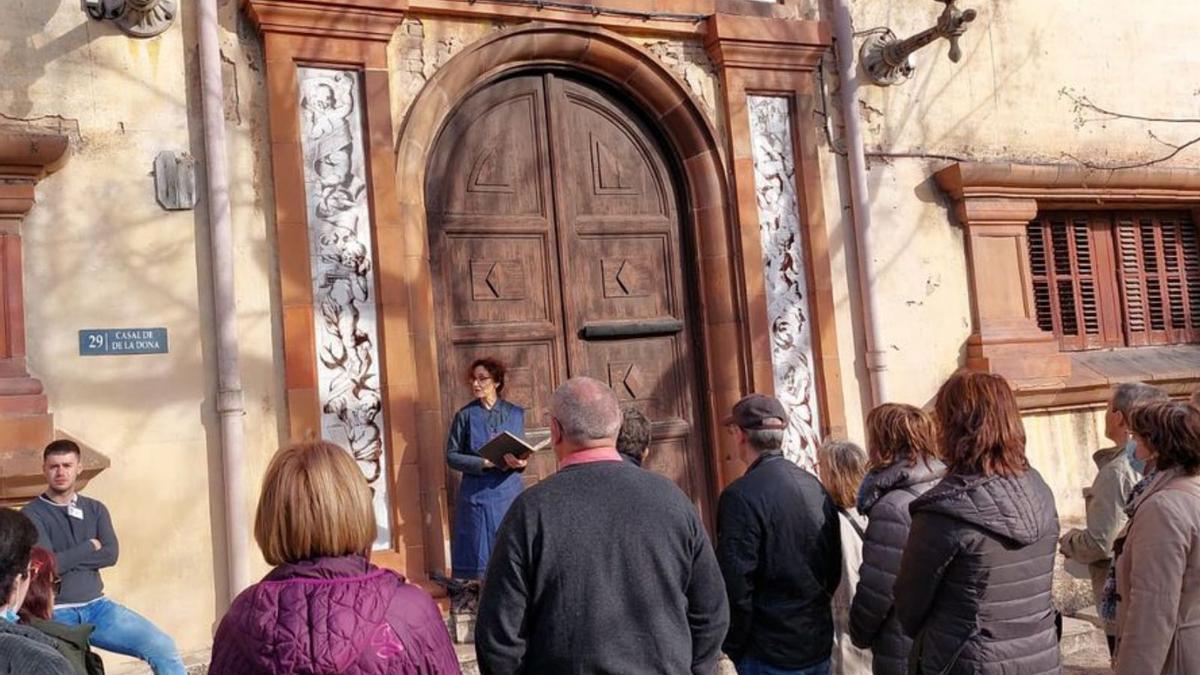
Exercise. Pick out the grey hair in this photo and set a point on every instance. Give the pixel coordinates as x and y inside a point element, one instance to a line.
<point>764,440</point>
<point>587,410</point>
<point>1130,395</point>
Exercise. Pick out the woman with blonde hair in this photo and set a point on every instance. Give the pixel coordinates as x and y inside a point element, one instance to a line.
<point>325,608</point>
<point>1157,584</point>
<point>973,588</point>
<point>841,466</point>
<point>904,464</point>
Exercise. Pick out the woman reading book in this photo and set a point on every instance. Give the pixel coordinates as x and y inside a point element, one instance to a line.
<point>487,490</point>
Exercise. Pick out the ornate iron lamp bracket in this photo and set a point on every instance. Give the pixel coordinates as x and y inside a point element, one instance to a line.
<point>887,60</point>
<point>135,18</point>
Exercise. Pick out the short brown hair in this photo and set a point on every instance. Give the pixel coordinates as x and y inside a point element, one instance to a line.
<point>979,427</point>
<point>898,431</point>
<point>841,466</point>
<point>1172,430</point>
<point>315,502</point>
<point>494,367</point>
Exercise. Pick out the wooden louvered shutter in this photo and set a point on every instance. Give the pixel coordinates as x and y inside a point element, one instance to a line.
<point>1160,277</point>
<point>1072,266</point>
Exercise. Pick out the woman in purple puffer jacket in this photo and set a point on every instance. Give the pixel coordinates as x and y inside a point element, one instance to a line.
<point>325,608</point>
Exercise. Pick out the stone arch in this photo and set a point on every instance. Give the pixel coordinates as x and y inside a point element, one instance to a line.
<point>688,135</point>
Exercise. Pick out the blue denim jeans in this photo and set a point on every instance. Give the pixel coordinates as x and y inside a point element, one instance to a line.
<point>124,631</point>
<point>751,666</point>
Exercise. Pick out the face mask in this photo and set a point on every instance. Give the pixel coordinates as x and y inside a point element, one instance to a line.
<point>1139,465</point>
<point>9,615</point>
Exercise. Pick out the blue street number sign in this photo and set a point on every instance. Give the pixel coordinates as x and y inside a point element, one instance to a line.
<point>122,341</point>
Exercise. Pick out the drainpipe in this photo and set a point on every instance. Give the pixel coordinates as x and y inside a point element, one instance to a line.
<point>230,408</point>
<point>868,279</point>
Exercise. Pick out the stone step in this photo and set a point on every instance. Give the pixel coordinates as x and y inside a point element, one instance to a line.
<point>1080,635</point>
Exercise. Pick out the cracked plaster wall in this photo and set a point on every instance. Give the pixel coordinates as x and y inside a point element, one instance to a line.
<point>100,253</point>
<point>1002,102</point>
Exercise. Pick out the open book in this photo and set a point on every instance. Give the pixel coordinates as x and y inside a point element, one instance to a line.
<point>495,449</point>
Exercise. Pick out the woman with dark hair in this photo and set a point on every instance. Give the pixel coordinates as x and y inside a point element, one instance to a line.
<point>38,612</point>
<point>1157,585</point>
<point>486,490</point>
<point>973,590</point>
<point>902,465</point>
<point>23,650</point>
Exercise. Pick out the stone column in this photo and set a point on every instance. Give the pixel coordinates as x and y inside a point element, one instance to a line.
<point>26,424</point>
<point>25,158</point>
<point>1007,338</point>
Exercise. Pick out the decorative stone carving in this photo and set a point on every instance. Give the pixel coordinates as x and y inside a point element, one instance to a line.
<point>784,275</point>
<point>135,18</point>
<point>339,235</point>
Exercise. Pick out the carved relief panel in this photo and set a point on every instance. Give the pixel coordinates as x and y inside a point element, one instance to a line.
<point>788,305</point>
<point>339,236</point>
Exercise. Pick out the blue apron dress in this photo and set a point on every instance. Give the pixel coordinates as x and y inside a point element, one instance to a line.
<point>485,494</point>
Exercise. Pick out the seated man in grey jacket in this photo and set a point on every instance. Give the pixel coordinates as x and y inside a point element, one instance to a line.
<point>80,533</point>
<point>1118,472</point>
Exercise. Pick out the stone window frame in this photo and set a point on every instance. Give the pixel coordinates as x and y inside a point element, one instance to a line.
<point>993,204</point>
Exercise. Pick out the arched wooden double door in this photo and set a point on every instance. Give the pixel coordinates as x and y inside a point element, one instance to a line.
<point>556,246</point>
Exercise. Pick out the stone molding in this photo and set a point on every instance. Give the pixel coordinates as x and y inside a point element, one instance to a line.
<point>371,20</point>
<point>26,425</point>
<point>776,57</point>
<point>766,44</point>
<point>994,202</point>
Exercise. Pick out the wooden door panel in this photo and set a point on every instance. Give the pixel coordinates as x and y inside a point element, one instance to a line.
<point>644,372</point>
<point>496,166</point>
<point>493,250</point>
<point>623,277</point>
<point>619,237</point>
<point>609,170</point>
<point>494,280</point>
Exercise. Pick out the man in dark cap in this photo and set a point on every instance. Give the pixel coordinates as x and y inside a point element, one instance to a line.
<point>779,550</point>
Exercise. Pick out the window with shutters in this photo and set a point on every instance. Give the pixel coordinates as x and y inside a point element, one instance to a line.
<point>1116,278</point>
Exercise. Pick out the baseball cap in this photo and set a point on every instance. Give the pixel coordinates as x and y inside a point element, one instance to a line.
<point>758,411</point>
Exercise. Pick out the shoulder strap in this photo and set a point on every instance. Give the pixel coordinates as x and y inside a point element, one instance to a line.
<point>909,489</point>
<point>853,523</point>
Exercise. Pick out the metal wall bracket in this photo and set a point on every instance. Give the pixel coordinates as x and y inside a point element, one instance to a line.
<point>887,60</point>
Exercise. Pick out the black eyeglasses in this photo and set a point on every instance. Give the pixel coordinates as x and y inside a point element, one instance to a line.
<point>56,584</point>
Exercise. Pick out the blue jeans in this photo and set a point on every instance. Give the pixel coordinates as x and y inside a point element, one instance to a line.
<point>752,666</point>
<point>124,631</point>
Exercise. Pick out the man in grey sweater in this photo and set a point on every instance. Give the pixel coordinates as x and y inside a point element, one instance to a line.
<point>603,567</point>
<point>79,532</point>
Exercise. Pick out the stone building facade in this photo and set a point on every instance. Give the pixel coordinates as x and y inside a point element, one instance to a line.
<point>658,194</point>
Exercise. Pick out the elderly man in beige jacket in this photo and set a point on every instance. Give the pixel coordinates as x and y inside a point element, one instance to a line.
<point>1118,472</point>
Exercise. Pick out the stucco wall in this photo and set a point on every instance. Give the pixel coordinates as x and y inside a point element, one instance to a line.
<point>1003,102</point>
<point>100,253</point>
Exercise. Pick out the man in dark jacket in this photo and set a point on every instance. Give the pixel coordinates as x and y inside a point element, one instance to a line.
<point>603,567</point>
<point>779,547</point>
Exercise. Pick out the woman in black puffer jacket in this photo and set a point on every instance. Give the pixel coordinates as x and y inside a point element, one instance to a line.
<point>902,444</point>
<point>974,584</point>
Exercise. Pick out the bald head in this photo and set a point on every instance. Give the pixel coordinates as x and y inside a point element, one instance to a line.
<point>587,414</point>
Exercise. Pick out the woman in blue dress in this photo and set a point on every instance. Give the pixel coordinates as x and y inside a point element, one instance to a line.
<point>487,490</point>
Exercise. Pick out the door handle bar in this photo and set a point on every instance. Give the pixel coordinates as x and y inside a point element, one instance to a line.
<point>615,330</point>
